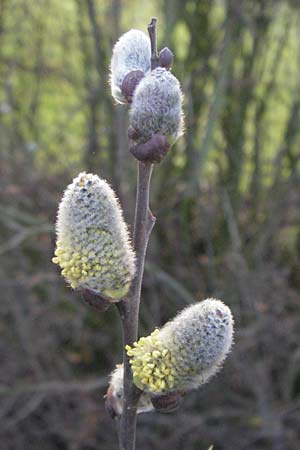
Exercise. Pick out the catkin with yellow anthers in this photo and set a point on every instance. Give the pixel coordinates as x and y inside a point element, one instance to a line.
<point>151,364</point>
<point>93,247</point>
<point>186,352</point>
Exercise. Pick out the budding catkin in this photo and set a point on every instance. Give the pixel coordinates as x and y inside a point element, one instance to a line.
<point>115,394</point>
<point>93,247</point>
<point>186,352</point>
<point>131,52</point>
<point>157,107</point>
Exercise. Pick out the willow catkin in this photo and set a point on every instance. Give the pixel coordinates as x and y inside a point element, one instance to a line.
<point>132,52</point>
<point>157,107</point>
<point>186,352</point>
<point>93,247</point>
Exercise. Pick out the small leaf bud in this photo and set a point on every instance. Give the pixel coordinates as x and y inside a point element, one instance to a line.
<point>166,58</point>
<point>93,247</point>
<point>131,53</point>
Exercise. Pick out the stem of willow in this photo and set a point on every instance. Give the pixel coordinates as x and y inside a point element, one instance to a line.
<point>129,307</point>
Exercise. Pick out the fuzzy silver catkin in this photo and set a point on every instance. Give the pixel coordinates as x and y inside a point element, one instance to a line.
<point>186,352</point>
<point>131,52</point>
<point>93,247</point>
<point>157,107</point>
<point>115,394</point>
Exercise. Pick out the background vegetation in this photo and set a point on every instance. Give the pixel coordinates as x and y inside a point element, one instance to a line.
<point>226,200</point>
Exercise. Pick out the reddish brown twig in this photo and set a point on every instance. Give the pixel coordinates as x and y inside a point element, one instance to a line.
<point>129,308</point>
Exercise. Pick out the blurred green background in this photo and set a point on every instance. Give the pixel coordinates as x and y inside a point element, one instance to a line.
<point>226,200</point>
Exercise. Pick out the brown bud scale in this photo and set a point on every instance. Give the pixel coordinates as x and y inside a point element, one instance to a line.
<point>95,300</point>
<point>153,151</point>
<point>168,403</point>
<point>133,134</point>
<point>130,82</point>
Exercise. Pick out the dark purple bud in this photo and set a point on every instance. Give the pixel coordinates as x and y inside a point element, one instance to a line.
<point>165,58</point>
<point>95,300</point>
<point>153,150</point>
<point>133,134</point>
<point>130,82</point>
<point>167,403</point>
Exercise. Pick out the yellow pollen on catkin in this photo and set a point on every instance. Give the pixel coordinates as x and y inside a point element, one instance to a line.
<point>90,257</point>
<point>151,364</point>
<point>78,267</point>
